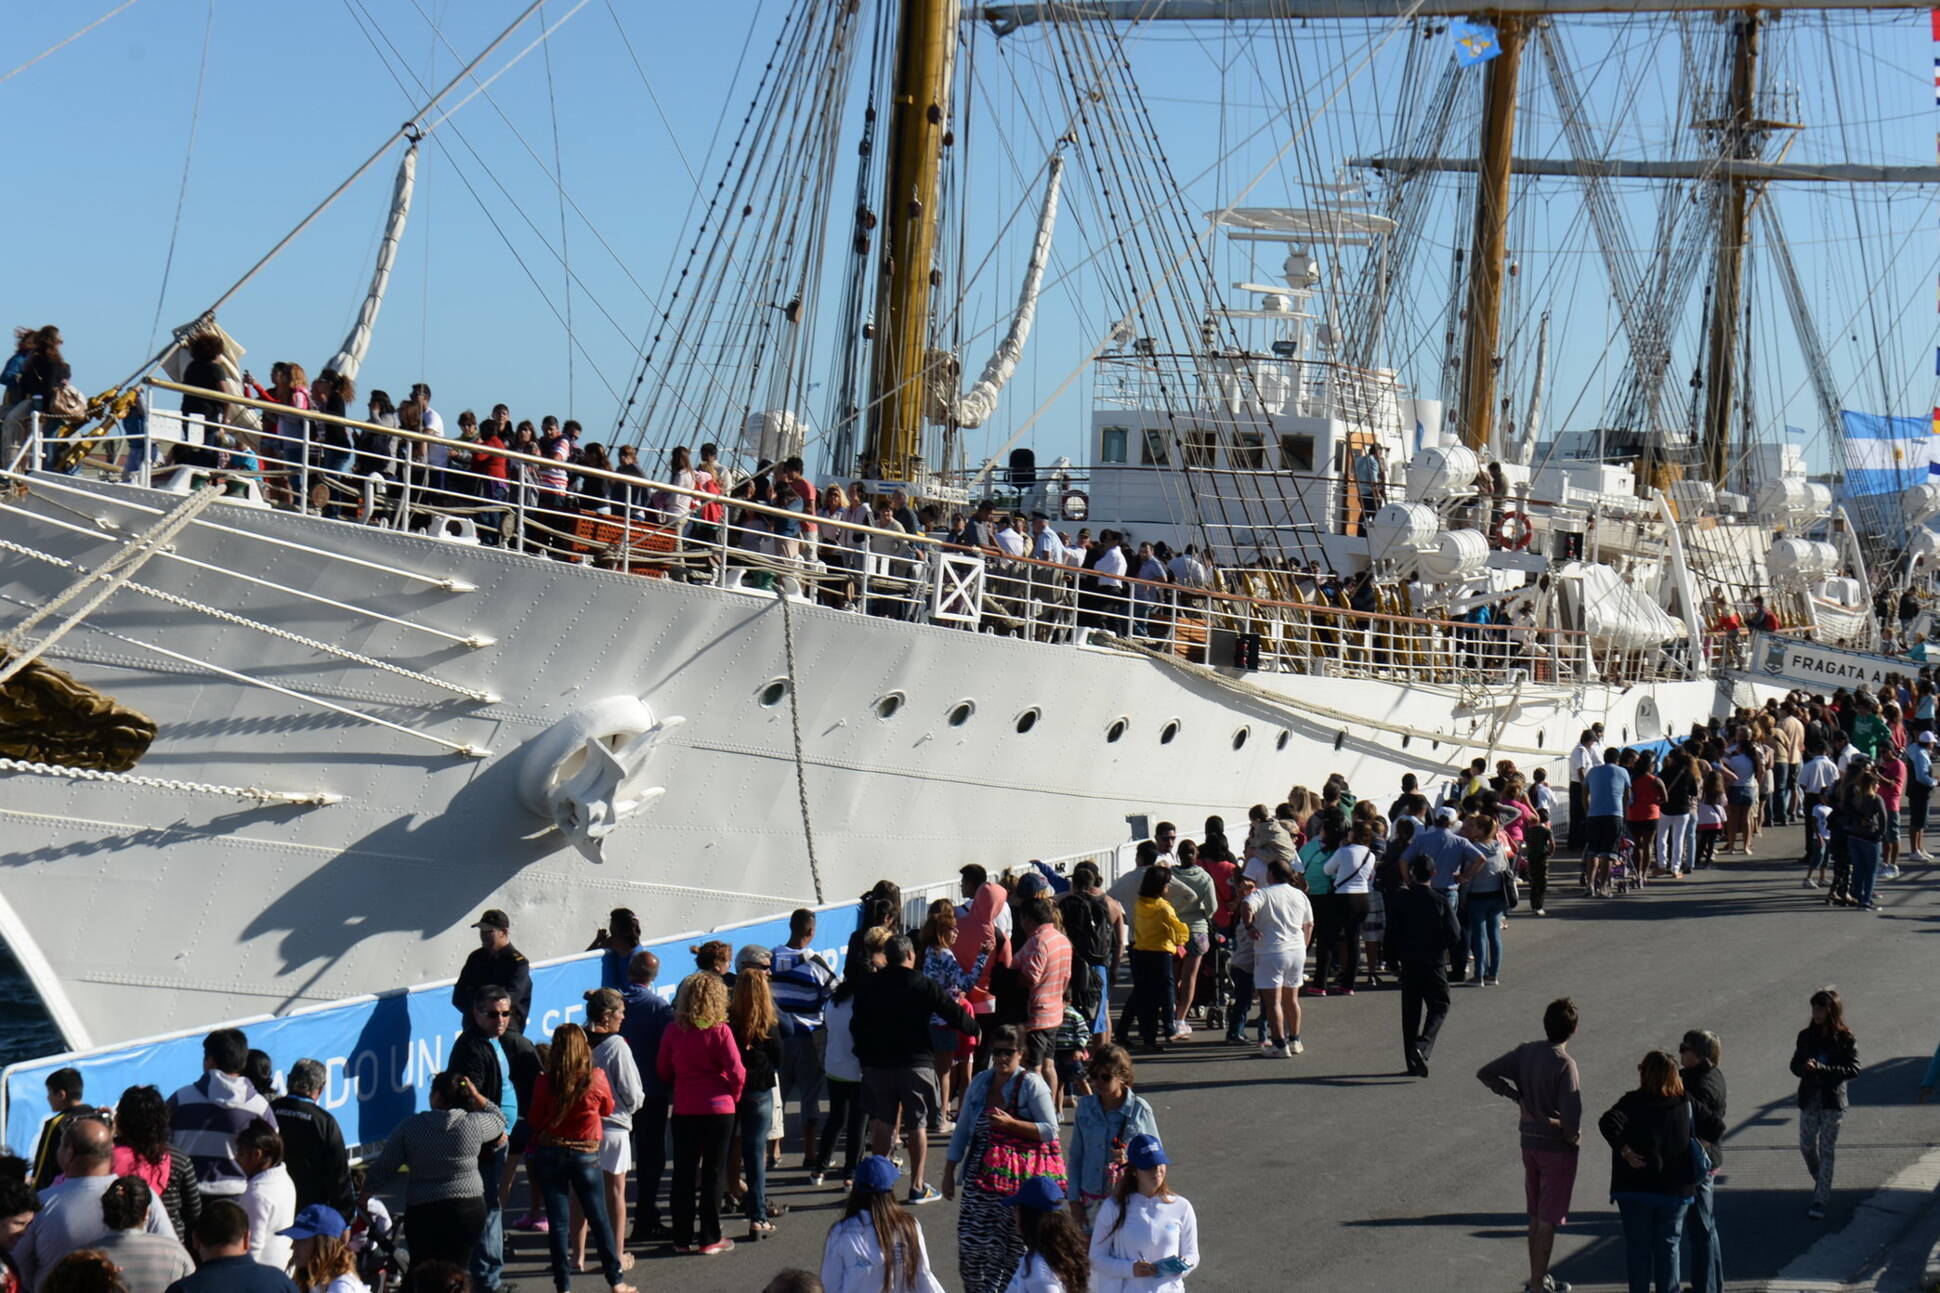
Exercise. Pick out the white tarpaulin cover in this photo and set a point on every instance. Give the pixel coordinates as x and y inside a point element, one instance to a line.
<point>351,357</point>
<point>1617,616</point>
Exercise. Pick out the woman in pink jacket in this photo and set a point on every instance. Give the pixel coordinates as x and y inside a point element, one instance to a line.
<point>701,1062</point>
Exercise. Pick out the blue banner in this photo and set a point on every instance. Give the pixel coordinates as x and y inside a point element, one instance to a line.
<point>1475,42</point>
<point>379,1053</point>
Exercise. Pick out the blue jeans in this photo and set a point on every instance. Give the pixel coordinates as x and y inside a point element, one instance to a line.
<point>1864,855</point>
<point>1242,1006</point>
<point>560,1172</point>
<point>487,1265</point>
<point>1651,1233</point>
<point>1707,1259</point>
<point>757,1112</point>
<point>1484,920</point>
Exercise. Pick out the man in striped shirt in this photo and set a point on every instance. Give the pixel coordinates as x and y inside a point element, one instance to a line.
<point>802,984</point>
<point>1044,965</point>
<point>206,1116</point>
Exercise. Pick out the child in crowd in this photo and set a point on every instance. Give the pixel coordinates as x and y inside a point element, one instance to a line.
<point>1818,844</point>
<point>1710,818</point>
<point>1538,844</point>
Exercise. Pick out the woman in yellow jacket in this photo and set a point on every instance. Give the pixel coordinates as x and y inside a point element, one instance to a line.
<point>1157,936</point>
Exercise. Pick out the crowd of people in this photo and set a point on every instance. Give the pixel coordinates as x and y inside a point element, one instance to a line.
<point>972,1052</point>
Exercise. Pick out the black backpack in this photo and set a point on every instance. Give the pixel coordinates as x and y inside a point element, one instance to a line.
<point>1087,923</point>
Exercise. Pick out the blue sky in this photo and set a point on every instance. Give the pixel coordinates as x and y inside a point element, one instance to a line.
<point>295,96</point>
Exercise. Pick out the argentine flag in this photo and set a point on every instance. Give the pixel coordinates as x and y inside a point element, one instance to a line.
<point>1885,455</point>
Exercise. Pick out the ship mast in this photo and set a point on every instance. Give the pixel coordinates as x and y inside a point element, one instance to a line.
<point>1738,137</point>
<point>1490,249</point>
<point>919,125</point>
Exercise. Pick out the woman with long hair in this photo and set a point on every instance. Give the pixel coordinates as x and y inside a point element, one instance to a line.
<point>1145,1238</point>
<point>1108,1119</point>
<point>1485,902</point>
<point>605,1013</point>
<point>1644,811</point>
<point>142,1149</point>
<point>322,1260</point>
<point>1682,779</point>
<point>844,1070</point>
<point>1007,1123</point>
<point>1824,1058</point>
<point>1863,819</point>
<point>1653,1172</point>
<point>939,963</point>
<point>757,1032</point>
<point>570,1102</point>
<point>1055,1258</point>
<point>876,1245</point>
<point>700,1059</point>
<point>1157,935</point>
<point>1351,870</point>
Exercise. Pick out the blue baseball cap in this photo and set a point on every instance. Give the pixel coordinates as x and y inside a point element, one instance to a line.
<point>876,1173</point>
<point>1145,1152</point>
<point>317,1219</point>
<point>1040,1194</point>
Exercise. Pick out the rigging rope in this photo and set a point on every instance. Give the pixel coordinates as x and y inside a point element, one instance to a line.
<point>188,156</point>
<point>565,255</point>
<point>795,733</point>
<point>256,793</point>
<point>66,41</point>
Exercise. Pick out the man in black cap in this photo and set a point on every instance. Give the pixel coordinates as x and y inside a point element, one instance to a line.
<point>495,962</point>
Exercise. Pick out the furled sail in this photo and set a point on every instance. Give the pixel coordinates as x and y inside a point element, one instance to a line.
<point>975,406</point>
<point>351,355</point>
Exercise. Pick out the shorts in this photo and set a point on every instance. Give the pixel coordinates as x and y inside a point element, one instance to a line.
<point>1741,794</point>
<point>1600,834</point>
<point>1101,1022</point>
<point>1548,1176</point>
<point>1198,944</point>
<point>912,1091</point>
<point>1279,969</point>
<point>616,1149</point>
<point>1071,1067</point>
<point>1040,1044</point>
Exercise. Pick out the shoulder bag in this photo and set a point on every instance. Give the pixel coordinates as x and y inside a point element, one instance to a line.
<point>1008,1161</point>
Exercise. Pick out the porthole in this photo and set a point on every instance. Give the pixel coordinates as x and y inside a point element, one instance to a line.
<point>961,711</point>
<point>1168,732</point>
<point>1239,738</point>
<point>1284,738</point>
<point>888,705</point>
<point>772,692</point>
<point>1027,720</point>
<point>1116,731</point>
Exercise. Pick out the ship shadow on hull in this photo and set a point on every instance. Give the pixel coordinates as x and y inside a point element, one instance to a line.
<point>423,876</point>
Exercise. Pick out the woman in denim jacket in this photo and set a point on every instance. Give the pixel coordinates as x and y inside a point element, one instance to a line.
<point>1106,1121</point>
<point>1006,1099</point>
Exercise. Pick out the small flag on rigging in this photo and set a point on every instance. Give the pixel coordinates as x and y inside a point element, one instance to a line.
<point>1936,24</point>
<point>1936,73</point>
<point>1475,42</point>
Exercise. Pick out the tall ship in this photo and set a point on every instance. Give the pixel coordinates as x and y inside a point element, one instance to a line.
<point>290,699</point>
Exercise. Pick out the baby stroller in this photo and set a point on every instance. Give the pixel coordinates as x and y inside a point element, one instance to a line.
<point>1626,874</point>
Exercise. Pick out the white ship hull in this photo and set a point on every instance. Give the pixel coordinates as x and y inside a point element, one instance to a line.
<point>138,908</point>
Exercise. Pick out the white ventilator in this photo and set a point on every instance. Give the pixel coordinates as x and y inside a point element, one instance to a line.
<point>350,356</point>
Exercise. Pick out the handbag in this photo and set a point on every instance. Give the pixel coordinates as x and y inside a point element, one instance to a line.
<point>1009,1161</point>
<point>1511,889</point>
<point>67,403</point>
<point>1701,1163</point>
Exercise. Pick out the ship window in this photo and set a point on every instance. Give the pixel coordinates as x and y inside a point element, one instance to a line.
<point>1117,729</point>
<point>1200,447</point>
<point>1152,453</point>
<point>772,692</point>
<point>960,712</point>
<point>1239,738</point>
<point>888,705</point>
<point>1027,720</point>
<point>1169,732</point>
<point>1296,453</point>
<point>1250,453</point>
<point>1111,444</point>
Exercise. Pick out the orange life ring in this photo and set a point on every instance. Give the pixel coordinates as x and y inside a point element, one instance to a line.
<point>1525,531</point>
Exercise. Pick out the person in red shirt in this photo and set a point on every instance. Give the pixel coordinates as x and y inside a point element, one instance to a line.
<point>1645,809</point>
<point>701,1061</point>
<point>568,1102</point>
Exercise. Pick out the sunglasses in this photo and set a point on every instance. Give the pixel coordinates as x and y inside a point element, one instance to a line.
<point>1006,1050</point>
